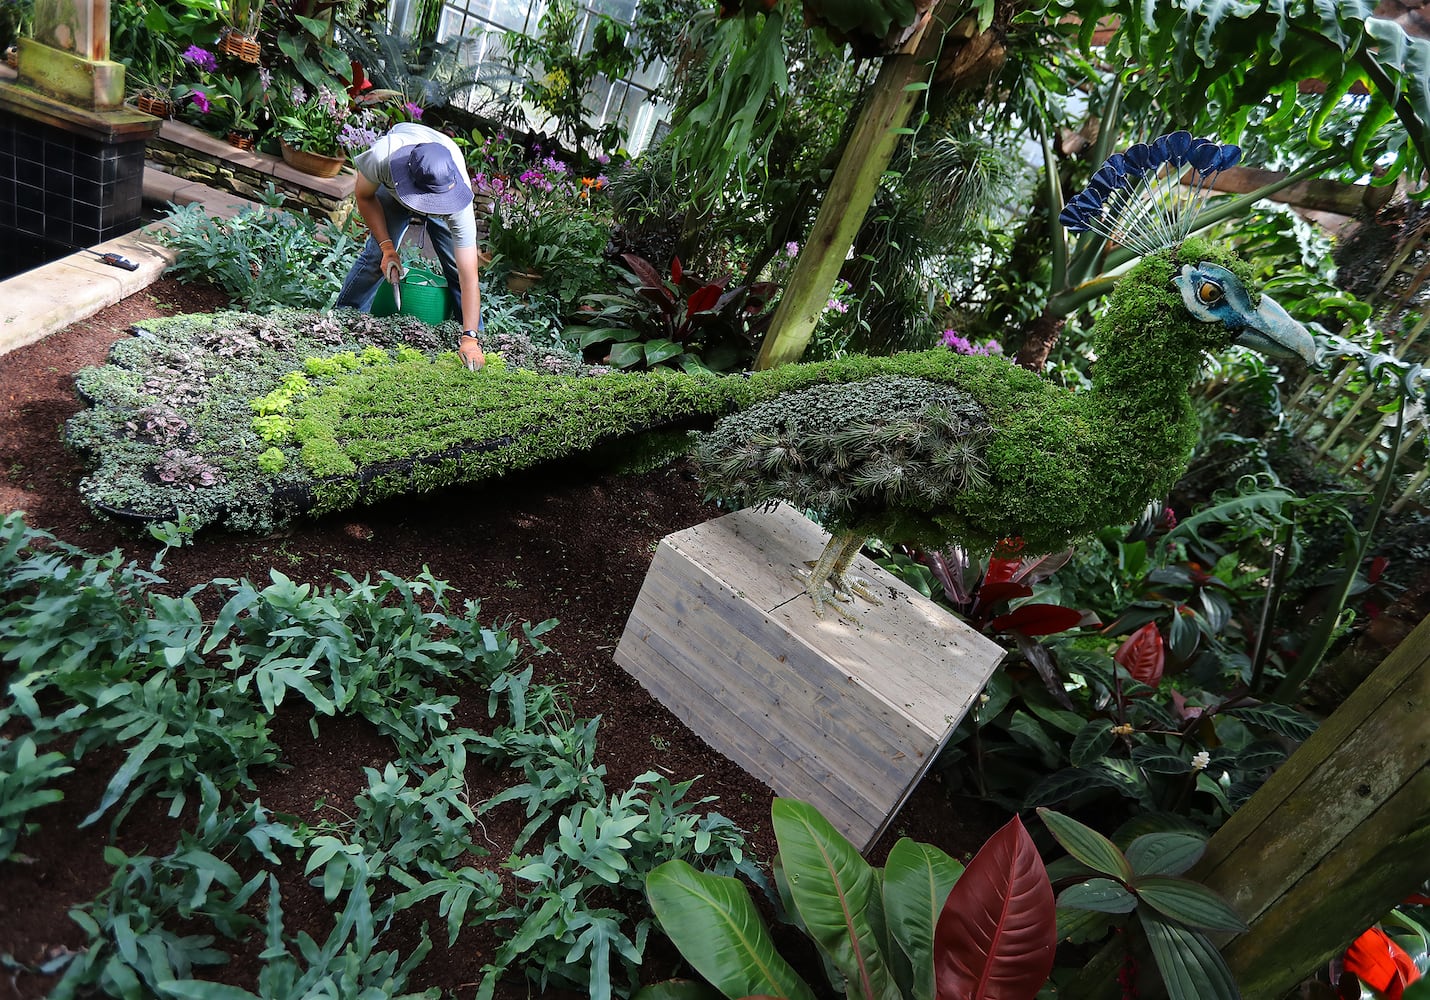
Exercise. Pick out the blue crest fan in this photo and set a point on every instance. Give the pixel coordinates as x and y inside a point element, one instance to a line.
<point>1147,197</point>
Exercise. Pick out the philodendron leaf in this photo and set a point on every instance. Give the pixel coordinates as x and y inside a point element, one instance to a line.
<point>834,889</point>
<point>917,881</point>
<point>1087,845</point>
<point>1191,968</point>
<point>998,931</point>
<point>1188,902</point>
<point>1100,894</point>
<point>1164,853</point>
<point>712,922</point>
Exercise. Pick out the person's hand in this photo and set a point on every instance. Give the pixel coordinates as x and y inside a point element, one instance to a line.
<point>471,351</point>
<point>392,266</point>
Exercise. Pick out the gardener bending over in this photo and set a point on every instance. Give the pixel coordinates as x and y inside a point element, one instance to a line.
<point>416,170</point>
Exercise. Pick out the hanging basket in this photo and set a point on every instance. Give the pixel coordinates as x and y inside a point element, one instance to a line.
<point>12,57</point>
<point>315,164</point>
<point>240,46</point>
<point>159,107</point>
<point>242,140</point>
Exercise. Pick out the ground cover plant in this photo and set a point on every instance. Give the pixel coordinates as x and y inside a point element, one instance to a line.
<point>100,660</point>
<point>574,545</point>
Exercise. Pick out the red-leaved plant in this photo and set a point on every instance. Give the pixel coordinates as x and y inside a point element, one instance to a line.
<point>924,927</point>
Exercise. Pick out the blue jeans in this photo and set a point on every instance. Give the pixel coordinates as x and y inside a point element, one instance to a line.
<point>363,280</point>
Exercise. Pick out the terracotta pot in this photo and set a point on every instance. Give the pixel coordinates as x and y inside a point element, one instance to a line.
<point>312,163</point>
<point>242,140</point>
<point>520,282</point>
<point>239,45</point>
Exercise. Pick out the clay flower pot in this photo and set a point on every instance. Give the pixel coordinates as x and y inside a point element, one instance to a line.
<point>520,282</point>
<point>312,163</point>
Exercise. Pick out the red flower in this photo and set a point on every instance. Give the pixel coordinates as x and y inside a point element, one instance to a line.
<point>1381,964</point>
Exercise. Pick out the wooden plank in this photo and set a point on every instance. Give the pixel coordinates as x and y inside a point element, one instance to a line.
<point>1339,831</point>
<point>846,717</point>
<point>779,689</point>
<point>1319,916</point>
<point>906,651</point>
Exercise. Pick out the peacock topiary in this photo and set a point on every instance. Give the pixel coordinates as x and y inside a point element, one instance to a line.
<point>925,447</point>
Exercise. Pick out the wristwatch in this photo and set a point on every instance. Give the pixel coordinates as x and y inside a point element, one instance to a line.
<point>470,333</point>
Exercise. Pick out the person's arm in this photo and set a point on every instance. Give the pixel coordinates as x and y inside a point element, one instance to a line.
<point>365,195</point>
<point>471,350</point>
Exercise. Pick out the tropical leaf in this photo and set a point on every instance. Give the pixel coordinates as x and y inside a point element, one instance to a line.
<point>1087,845</point>
<point>1037,619</point>
<point>834,890</point>
<point>713,923</point>
<point>1188,902</point>
<point>917,881</point>
<point>1143,654</point>
<point>1100,894</point>
<point>1165,853</point>
<point>998,931</point>
<point>1191,968</point>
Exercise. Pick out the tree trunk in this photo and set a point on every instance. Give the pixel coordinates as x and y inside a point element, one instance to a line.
<point>1040,338</point>
<point>850,193</point>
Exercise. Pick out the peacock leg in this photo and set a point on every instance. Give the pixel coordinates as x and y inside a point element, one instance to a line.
<point>849,585</point>
<point>816,581</point>
<point>826,583</point>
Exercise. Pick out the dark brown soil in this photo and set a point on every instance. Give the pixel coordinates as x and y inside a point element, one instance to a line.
<point>538,546</point>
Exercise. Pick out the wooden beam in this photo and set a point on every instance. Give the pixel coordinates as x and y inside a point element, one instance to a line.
<point>1313,195</point>
<point>1337,836</point>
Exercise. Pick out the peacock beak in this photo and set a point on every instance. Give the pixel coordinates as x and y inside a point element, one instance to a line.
<point>1271,330</point>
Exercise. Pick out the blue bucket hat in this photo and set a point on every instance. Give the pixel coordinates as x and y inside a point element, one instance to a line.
<point>428,180</point>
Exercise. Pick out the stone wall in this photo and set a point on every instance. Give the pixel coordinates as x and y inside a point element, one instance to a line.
<point>187,152</point>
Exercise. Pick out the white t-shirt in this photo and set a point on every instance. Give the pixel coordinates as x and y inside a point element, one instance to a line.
<point>374,164</point>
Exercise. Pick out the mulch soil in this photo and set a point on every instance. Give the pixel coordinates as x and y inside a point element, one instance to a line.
<point>547,544</point>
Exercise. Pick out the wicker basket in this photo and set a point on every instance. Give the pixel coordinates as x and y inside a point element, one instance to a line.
<point>12,57</point>
<point>159,107</point>
<point>239,45</point>
<point>242,140</point>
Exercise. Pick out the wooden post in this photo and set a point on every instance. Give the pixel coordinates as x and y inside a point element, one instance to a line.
<point>851,191</point>
<point>1337,836</point>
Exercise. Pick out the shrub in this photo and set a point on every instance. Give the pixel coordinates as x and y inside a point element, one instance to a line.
<point>264,258</point>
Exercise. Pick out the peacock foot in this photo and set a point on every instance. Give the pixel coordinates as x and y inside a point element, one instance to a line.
<point>836,591</point>
<point>852,585</point>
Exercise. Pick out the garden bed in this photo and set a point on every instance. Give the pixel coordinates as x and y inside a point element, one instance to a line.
<point>531,547</point>
<point>193,154</point>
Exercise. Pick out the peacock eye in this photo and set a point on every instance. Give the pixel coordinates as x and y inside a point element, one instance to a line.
<point>1209,292</point>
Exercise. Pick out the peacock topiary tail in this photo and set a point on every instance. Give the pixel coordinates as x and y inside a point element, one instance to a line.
<point>850,450</point>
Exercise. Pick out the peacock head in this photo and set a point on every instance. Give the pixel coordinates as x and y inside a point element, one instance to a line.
<point>1214,294</point>
<point>1147,198</point>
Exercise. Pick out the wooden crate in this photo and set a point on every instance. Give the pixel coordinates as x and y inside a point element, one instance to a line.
<point>845,717</point>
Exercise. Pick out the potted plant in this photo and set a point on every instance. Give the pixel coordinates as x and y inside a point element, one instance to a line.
<point>239,37</point>
<point>543,227</point>
<point>151,95</point>
<point>226,107</point>
<point>317,130</point>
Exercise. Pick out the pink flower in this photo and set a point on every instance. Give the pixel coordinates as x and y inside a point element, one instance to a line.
<point>201,59</point>
<point>201,101</point>
<point>414,110</point>
<point>791,249</point>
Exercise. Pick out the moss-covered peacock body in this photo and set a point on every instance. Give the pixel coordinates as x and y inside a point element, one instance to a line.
<point>972,449</point>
